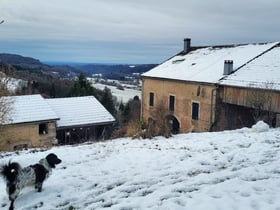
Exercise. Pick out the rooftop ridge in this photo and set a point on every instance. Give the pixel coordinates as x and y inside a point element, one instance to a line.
<point>192,48</point>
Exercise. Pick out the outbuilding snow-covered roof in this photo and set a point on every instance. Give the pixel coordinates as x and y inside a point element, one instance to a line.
<point>79,111</point>
<point>207,64</point>
<point>263,72</point>
<point>29,108</point>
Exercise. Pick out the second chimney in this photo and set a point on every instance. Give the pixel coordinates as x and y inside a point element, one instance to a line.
<point>228,67</point>
<point>187,45</point>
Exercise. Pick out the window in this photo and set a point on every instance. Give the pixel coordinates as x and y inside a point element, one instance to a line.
<point>43,128</point>
<point>195,110</point>
<point>171,103</point>
<point>151,101</point>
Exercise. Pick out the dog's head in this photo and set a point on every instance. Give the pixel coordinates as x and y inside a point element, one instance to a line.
<point>52,160</point>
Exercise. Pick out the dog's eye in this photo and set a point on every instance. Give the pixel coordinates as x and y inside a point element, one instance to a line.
<point>13,171</point>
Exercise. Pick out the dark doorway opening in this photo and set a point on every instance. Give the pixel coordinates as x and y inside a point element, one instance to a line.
<point>174,124</point>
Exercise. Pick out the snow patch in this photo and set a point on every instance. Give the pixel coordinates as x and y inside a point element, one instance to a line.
<point>260,127</point>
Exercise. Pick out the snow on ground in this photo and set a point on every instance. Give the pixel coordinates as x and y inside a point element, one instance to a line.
<point>222,170</point>
<point>122,95</point>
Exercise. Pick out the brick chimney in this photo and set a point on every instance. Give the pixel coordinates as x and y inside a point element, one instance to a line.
<point>187,45</point>
<point>228,67</point>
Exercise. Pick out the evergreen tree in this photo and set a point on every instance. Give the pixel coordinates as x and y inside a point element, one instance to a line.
<point>82,87</point>
<point>108,102</point>
<point>126,113</point>
<point>53,90</point>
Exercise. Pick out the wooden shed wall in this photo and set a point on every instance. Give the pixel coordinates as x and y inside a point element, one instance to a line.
<point>246,97</point>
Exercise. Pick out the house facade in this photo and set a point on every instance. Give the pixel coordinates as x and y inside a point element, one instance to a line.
<point>188,106</point>
<point>27,135</point>
<point>32,123</point>
<point>189,91</point>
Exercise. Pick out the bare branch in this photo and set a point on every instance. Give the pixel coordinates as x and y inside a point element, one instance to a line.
<point>5,102</point>
<point>260,99</point>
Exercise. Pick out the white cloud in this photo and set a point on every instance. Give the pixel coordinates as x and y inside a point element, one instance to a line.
<point>147,22</point>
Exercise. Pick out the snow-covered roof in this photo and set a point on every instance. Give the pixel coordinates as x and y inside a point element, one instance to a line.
<point>263,72</point>
<point>76,111</point>
<point>29,108</point>
<point>207,64</point>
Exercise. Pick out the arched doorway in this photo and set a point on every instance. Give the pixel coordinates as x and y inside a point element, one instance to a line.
<point>173,123</point>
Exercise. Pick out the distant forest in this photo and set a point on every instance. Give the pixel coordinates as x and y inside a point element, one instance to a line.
<point>65,70</point>
<point>115,71</point>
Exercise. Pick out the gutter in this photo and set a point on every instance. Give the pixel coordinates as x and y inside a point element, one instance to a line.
<point>84,125</point>
<point>213,107</point>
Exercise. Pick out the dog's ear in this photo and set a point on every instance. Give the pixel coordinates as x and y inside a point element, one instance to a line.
<point>52,160</point>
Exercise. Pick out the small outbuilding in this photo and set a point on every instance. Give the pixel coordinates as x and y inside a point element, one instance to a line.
<point>31,123</point>
<point>80,119</point>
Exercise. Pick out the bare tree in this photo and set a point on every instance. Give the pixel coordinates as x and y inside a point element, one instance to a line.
<point>5,110</point>
<point>260,99</point>
<point>5,101</point>
<point>158,124</point>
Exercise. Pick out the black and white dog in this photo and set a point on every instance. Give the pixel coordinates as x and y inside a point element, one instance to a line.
<point>17,177</point>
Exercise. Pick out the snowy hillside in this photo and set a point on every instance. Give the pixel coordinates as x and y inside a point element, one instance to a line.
<point>122,95</point>
<point>224,170</point>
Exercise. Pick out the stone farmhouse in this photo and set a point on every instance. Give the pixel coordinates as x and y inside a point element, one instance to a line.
<point>38,122</point>
<point>215,87</point>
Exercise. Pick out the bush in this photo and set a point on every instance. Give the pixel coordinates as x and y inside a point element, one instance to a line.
<point>158,124</point>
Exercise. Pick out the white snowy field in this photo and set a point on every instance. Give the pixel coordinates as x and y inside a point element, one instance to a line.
<point>121,95</point>
<point>222,170</point>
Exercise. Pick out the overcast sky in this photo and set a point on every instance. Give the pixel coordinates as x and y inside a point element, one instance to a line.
<point>130,31</point>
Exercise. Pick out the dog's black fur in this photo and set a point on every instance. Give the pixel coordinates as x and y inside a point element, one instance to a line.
<point>17,177</point>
